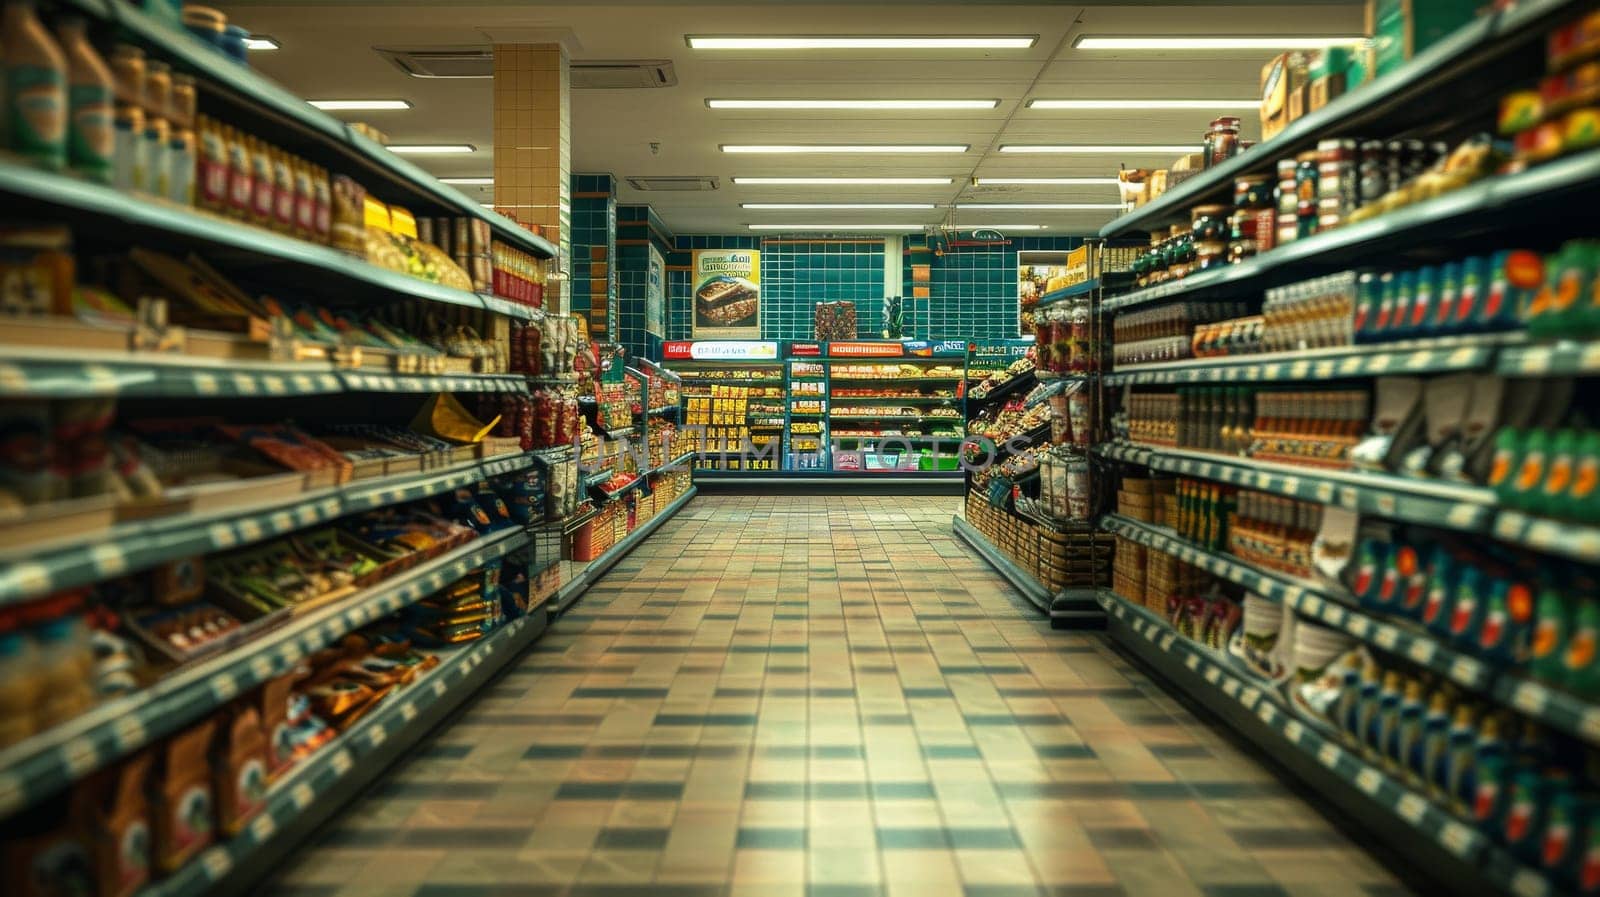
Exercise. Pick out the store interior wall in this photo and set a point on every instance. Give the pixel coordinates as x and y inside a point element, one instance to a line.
<point>972,291</point>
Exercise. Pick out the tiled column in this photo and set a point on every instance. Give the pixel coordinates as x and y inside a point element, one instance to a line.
<point>594,253</point>
<point>533,146</point>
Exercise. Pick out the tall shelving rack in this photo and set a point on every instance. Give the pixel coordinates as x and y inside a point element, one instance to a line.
<point>1446,91</point>
<point>37,772</point>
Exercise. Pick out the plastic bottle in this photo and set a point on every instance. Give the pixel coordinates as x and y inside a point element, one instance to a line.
<point>1583,499</point>
<point>1552,627</point>
<point>1366,710</point>
<point>1474,285</point>
<point>1407,732</point>
<point>1431,747</point>
<point>1531,471</point>
<point>91,141</point>
<point>1507,459</point>
<point>1449,295</point>
<point>1422,303</point>
<point>1580,669</point>
<point>1444,578</point>
<point>35,101</point>
<point>1381,731</point>
<point>1455,773</point>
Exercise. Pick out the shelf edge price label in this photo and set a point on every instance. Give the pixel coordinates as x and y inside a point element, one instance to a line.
<point>1457,838</point>
<point>1589,725</point>
<point>216,862</point>
<point>1369,780</point>
<point>1530,698</point>
<point>1411,808</point>
<point>1329,755</point>
<point>1466,670</point>
<point>1422,651</point>
<point>1294,731</point>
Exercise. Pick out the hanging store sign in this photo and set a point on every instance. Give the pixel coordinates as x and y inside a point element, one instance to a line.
<point>719,350</point>
<point>727,294</point>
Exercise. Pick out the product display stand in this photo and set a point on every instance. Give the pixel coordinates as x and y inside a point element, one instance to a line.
<point>1020,513</point>
<point>1352,512</point>
<point>240,584</point>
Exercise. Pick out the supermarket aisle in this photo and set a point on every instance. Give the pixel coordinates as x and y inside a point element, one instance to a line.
<point>825,696</point>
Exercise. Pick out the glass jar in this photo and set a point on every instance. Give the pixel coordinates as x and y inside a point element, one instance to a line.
<point>1305,191</point>
<point>1222,141</point>
<point>1210,254</point>
<point>1253,192</point>
<point>1208,224</point>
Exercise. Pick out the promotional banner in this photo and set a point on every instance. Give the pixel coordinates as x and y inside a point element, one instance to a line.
<point>719,350</point>
<point>655,291</point>
<point>727,294</point>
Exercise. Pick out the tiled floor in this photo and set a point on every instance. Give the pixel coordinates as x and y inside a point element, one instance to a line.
<point>830,697</point>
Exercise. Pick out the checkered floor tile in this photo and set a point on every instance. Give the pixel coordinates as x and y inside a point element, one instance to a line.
<point>825,697</point>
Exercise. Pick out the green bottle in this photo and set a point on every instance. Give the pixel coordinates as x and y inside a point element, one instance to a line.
<point>1583,499</point>
<point>1551,629</point>
<point>1551,498</point>
<point>1579,667</point>
<point>1531,468</point>
<point>1507,457</point>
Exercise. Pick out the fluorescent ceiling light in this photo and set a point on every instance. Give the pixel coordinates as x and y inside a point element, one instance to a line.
<point>1086,148</point>
<point>860,42</point>
<point>852,104</point>
<point>1144,104</point>
<point>359,105</point>
<point>260,42</point>
<point>843,148</point>
<point>486,205</point>
<point>908,228</point>
<point>836,205</point>
<point>1216,42</point>
<point>1046,182</point>
<point>1038,206</point>
<point>429,149</point>
<point>973,227</point>
<point>468,182</point>
<point>845,182</point>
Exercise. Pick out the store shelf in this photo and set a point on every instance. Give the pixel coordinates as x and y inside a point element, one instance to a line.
<point>37,570</point>
<point>684,458</point>
<point>242,86</point>
<point>1216,678</point>
<point>1506,204</point>
<point>117,212</point>
<point>1562,359</point>
<point>908,400</point>
<point>1021,383</point>
<point>893,417</point>
<point>1455,353</point>
<point>1313,602</point>
<point>1465,63</point>
<point>840,378</point>
<point>40,766</point>
<point>404,716</point>
<point>1069,292</point>
<point>1551,707</point>
<point>664,409</point>
<point>1021,581</point>
<point>574,587</point>
<point>1458,507</point>
<point>1574,540</point>
<point>511,309</point>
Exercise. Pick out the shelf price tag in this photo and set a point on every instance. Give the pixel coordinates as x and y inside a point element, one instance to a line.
<point>262,827</point>
<point>1231,688</point>
<point>1535,361</point>
<point>1329,755</point>
<point>1462,515</point>
<point>1387,637</point>
<point>79,756</point>
<point>1508,526</point>
<point>1369,780</point>
<point>1411,808</point>
<point>1466,671</point>
<point>1294,731</point>
<point>1213,674</point>
<point>216,862</point>
<point>1530,698</point>
<point>301,796</point>
<point>1349,498</point>
<point>1192,662</point>
<point>1457,838</point>
<point>1360,626</point>
<point>1422,651</point>
<point>1589,725</point>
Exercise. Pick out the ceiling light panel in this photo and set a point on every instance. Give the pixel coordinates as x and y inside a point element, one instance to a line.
<point>844,148</point>
<point>1100,149</point>
<point>260,42</point>
<point>1118,105</point>
<point>852,105</point>
<point>468,182</point>
<point>359,105</point>
<point>791,206</point>
<point>842,182</point>
<point>1038,206</point>
<point>1044,182</point>
<point>430,149</point>
<point>1212,42</point>
<point>860,42</point>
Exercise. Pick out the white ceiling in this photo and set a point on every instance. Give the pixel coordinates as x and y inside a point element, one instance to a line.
<point>327,54</point>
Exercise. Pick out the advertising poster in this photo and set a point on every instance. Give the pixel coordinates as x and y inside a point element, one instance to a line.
<point>655,292</point>
<point>727,294</point>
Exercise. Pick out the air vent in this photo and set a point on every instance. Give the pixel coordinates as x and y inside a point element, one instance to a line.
<point>442,62</point>
<point>673,184</point>
<point>622,74</point>
<point>478,62</point>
